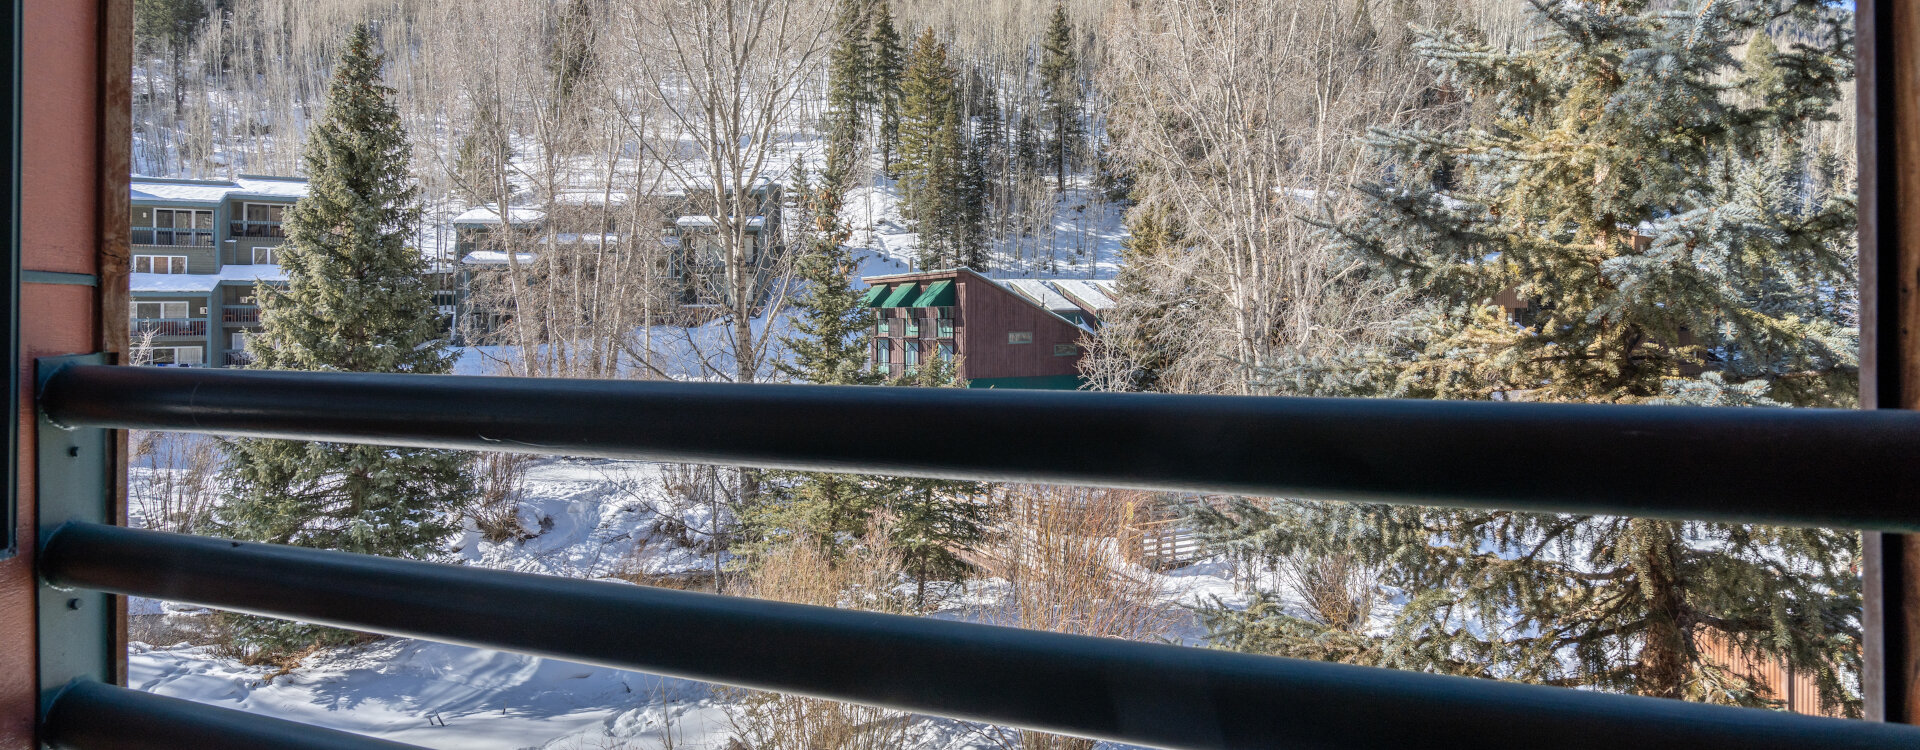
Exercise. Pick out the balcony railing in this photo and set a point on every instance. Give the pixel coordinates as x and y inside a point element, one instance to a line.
<point>1785,466</point>
<point>244,228</point>
<point>170,326</point>
<point>235,314</point>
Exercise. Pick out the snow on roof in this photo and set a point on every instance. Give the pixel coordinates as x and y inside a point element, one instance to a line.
<point>703,221</point>
<point>673,184</point>
<point>202,283</point>
<point>1084,293</point>
<point>213,192</point>
<point>580,239</point>
<point>489,215</point>
<point>495,258</point>
<point>276,187</point>
<point>589,198</point>
<point>1038,291</point>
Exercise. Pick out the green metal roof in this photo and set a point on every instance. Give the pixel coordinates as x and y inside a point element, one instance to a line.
<point>874,294</point>
<point>938,294</point>
<point>900,295</point>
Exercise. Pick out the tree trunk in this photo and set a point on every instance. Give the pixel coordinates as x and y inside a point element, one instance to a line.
<point>1667,654</point>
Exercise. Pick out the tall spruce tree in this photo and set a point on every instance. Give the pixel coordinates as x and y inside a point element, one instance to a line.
<point>939,172</point>
<point>833,330</point>
<point>930,522</point>
<point>926,96</point>
<point>885,67</point>
<point>833,325</point>
<point>1655,203</point>
<point>849,90</point>
<point>356,301</point>
<point>928,120</point>
<point>1060,84</point>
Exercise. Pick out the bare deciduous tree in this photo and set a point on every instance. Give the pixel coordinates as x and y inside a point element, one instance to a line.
<point>1241,119</point>
<point>729,77</point>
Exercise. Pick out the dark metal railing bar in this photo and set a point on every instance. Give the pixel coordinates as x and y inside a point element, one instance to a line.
<point>92,716</point>
<point>1150,694</point>
<point>1786,466</point>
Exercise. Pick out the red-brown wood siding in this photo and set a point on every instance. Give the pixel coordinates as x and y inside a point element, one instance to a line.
<point>983,316</point>
<point>74,148</point>
<point>991,313</point>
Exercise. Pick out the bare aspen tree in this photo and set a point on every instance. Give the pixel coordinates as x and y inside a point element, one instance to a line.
<point>729,77</point>
<point>1241,118</point>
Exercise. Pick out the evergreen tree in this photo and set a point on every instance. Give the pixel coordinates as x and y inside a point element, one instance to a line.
<point>168,26</point>
<point>931,521</point>
<point>1026,145</point>
<point>834,329</point>
<point>356,301</point>
<point>833,325</point>
<point>849,91</point>
<point>481,160</point>
<point>933,154</point>
<point>926,98</point>
<point>570,58</point>
<point>972,196</point>
<point>991,133</point>
<point>885,68</point>
<point>1653,201</point>
<point>1061,87</point>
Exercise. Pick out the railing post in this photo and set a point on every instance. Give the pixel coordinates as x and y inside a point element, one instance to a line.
<point>1889,143</point>
<point>78,627</point>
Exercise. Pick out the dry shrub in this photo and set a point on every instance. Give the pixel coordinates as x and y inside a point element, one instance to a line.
<point>1338,590</point>
<point>179,491</point>
<point>803,573</point>
<point>501,478</point>
<point>1066,559</point>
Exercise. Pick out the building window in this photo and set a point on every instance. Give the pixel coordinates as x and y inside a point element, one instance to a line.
<point>913,353</point>
<point>946,351</point>
<point>259,220</point>
<point>1019,337</point>
<point>1065,350</point>
<point>175,227</point>
<point>157,310</point>
<point>266,256</point>
<point>175,355</point>
<point>943,325</point>
<point>240,340</point>
<point>159,264</point>
<point>913,324</point>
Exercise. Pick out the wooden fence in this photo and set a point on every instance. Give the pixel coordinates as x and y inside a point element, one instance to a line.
<point>1796,689</point>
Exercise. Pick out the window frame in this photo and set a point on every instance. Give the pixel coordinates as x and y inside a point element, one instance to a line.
<point>184,264</point>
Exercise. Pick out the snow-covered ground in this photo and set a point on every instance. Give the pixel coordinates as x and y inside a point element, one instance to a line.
<point>581,519</point>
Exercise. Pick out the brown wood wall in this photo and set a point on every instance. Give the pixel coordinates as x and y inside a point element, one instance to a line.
<point>75,142</point>
<point>991,312</point>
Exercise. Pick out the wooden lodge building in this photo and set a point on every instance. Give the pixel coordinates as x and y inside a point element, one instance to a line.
<point>1005,333</point>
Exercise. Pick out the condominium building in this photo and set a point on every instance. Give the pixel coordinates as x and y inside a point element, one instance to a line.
<point>200,248</point>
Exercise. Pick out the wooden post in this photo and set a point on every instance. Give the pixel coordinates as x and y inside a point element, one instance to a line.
<point>1889,143</point>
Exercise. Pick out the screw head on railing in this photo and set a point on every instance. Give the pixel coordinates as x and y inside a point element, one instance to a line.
<point>73,604</point>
